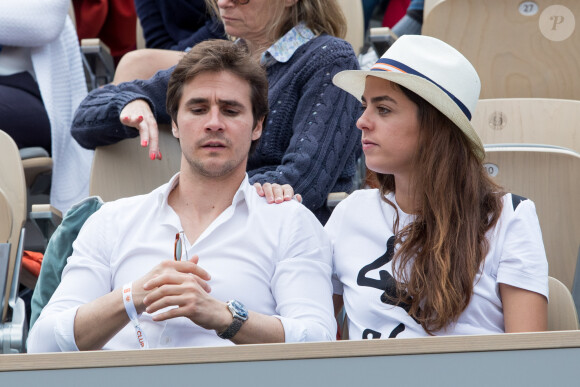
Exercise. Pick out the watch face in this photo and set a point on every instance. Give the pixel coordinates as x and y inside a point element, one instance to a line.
<point>238,309</point>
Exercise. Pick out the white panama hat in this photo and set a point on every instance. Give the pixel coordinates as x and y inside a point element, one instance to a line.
<point>432,69</point>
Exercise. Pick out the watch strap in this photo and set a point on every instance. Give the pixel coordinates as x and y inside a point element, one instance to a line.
<point>240,315</point>
<point>232,329</point>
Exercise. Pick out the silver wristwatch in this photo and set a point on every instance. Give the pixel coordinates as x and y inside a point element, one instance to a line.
<point>240,315</point>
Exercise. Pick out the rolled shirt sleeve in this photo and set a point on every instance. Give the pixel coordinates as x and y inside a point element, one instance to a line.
<point>64,333</point>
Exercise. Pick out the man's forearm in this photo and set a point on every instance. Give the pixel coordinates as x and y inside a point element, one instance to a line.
<point>260,329</point>
<point>98,321</point>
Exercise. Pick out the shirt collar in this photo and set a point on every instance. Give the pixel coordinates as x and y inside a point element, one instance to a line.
<point>243,193</point>
<point>283,49</point>
<point>245,190</point>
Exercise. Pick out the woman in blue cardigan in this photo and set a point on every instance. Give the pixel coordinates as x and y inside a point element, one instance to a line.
<point>176,24</point>
<point>309,142</point>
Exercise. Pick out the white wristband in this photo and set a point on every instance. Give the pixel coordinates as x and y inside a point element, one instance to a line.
<point>132,313</point>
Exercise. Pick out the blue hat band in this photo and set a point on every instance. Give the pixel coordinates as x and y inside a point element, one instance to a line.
<point>390,65</point>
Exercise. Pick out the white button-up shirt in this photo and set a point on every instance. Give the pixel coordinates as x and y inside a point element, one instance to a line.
<point>275,259</point>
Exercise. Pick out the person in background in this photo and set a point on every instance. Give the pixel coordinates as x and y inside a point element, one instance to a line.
<point>369,7</point>
<point>162,269</point>
<point>412,22</point>
<point>308,141</point>
<point>41,84</point>
<point>439,248</point>
<point>409,23</point>
<point>114,22</point>
<point>169,29</point>
<point>176,25</point>
<point>402,16</point>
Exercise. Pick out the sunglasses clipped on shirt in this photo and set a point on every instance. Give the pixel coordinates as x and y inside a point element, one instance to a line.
<point>179,247</point>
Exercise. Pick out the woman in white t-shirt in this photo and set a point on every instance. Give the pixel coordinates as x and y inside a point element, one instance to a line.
<point>438,249</point>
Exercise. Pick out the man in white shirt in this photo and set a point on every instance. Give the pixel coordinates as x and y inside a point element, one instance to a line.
<point>272,262</point>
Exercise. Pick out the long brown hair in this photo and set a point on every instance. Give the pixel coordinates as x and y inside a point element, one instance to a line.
<point>321,16</point>
<point>441,251</point>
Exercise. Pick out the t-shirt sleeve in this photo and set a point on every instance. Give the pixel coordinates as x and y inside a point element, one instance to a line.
<point>523,263</point>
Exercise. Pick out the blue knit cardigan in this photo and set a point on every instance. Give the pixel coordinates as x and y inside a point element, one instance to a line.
<point>310,140</point>
<point>176,24</point>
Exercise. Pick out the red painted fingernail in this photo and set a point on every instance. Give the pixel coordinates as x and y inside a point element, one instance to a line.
<point>152,155</point>
<point>140,118</point>
<point>144,143</point>
<point>159,155</point>
<point>125,118</point>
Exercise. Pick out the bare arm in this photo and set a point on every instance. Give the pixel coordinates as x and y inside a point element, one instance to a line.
<point>98,321</point>
<point>523,310</point>
<point>144,63</point>
<point>258,328</point>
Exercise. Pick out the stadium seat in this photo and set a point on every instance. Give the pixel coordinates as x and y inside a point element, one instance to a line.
<point>355,31</point>
<point>562,315</point>
<point>13,327</point>
<point>96,56</point>
<point>550,177</point>
<point>528,121</point>
<point>97,63</point>
<point>139,35</point>
<point>37,165</point>
<point>514,51</point>
<point>124,169</point>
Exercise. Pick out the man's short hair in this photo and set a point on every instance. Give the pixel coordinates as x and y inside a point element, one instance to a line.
<point>216,56</point>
